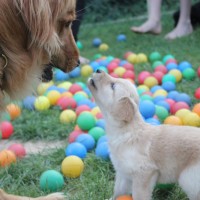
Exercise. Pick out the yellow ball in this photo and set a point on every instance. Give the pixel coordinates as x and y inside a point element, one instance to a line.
<point>42,103</point>
<point>173,120</point>
<point>143,87</point>
<point>95,111</point>
<point>160,93</point>
<point>120,71</point>
<point>150,81</point>
<point>42,87</point>
<point>86,70</point>
<point>177,74</point>
<point>67,116</point>
<point>141,58</point>
<point>103,47</point>
<point>191,119</point>
<point>132,58</point>
<point>182,113</point>
<point>53,96</point>
<point>72,167</point>
<point>83,93</point>
<point>66,85</point>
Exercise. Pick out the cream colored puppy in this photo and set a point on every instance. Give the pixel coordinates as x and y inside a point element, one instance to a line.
<point>142,154</point>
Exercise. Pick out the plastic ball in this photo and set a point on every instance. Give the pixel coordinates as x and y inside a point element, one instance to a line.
<point>102,150</point>
<point>96,42</point>
<point>156,64</point>
<point>177,74</point>
<point>42,103</point>
<point>6,129</point>
<point>51,180</point>
<point>14,110</point>
<point>160,92</point>
<point>120,71</point>
<point>66,103</point>
<point>17,149</point>
<point>86,70</point>
<point>153,121</point>
<point>124,197</point>
<point>164,104</point>
<point>76,149</point>
<point>142,58</point>
<point>150,81</point>
<point>173,120</point>
<point>132,58</point>
<point>196,109</point>
<point>96,133</point>
<point>192,119</point>
<point>168,86</point>
<point>79,45</point>
<point>42,87</point>
<point>197,93</point>
<point>7,157</point>
<point>61,76</point>
<point>86,121</point>
<point>181,113</point>
<point>184,65</point>
<point>154,56</point>
<point>76,72</point>
<point>121,38</point>
<point>147,109</point>
<point>75,88</point>
<point>67,116</point>
<point>128,66</point>
<point>167,57</point>
<point>158,75</point>
<point>73,135</point>
<point>171,66</point>
<point>86,140</point>
<point>66,85</point>
<point>142,76</point>
<point>129,75</point>
<point>161,68</point>
<point>102,139</point>
<point>161,113</point>
<point>103,47</point>
<point>53,96</point>
<point>81,109</point>
<point>183,97</point>
<point>189,74</point>
<point>179,105</point>
<point>168,77</point>
<point>29,102</point>
<point>72,167</point>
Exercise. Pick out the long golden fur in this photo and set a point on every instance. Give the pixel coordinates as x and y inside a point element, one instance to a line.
<point>33,33</point>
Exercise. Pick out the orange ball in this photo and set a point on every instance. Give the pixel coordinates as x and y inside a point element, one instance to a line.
<point>14,110</point>
<point>173,120</point>
<point>6,158</point>
<point>196,109</point>
<point>124,197</point>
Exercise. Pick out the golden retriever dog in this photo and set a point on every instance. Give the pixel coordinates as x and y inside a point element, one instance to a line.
<point>34,36</point>
<point>143,154</point>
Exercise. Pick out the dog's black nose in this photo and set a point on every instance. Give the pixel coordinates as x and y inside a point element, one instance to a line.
<point>78,63</point>
<point>98,71</point>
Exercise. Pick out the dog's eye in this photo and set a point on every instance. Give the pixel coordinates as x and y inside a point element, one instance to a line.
<point>112,86</point>
<point>67,24</point>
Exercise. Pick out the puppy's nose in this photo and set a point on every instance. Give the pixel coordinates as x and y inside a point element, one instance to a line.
<point>78,63</point>
<point>98,71</point>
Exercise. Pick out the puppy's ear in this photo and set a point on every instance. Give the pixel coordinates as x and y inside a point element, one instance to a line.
<point>37,17</point>
<point>123,110</point>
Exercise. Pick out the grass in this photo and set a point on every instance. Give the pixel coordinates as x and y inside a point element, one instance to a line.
<point>97,180</point>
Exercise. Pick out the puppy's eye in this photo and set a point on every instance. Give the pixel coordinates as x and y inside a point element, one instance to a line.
<point>67,24</point>
<point>112,86</point>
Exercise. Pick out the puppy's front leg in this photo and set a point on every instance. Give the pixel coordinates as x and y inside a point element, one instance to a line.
<point>122,185</point>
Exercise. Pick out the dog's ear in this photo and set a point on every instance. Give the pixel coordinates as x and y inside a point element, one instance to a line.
<point>37,17</point>
<point>123,110</point>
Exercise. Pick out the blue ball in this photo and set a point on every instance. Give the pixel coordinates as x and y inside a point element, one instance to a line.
<point>183,97</point>
<point>155,88</point>
<point>102,139</point>
<point>61,90</point>
<point>171,66</point>
<point>102,151</point>
<point>76,149</point>
<point>28,102</point>
<point>101,123</point>
<point>158,98</point>
<point>87,102</point>
<point>121,38</point>
<point>163,104</point>
<point>169,86</point>
<point>172,95</point>
<point>184,65</point>
<point>123,62</point>
<point>153,121</point>
<point>86,140</point>
<point>95,65</point>
<point>147,109</point>
<point>96,42</point>
<point>61,76</point>
<point>76,72</point>
<point>104,63</point>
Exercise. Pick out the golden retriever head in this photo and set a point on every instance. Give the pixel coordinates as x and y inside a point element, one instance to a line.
<point>34,33</point>
<point>117,98</point>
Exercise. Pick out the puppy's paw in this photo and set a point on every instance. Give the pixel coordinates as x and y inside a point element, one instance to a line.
<point>55,196</point>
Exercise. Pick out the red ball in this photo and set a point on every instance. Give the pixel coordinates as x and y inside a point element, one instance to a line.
<point>179,105</point>
<point>129,66</point>
<point>158,75</point>
<point>81,109</point>
<point>114,75</point>
<point>73,135</point>
<point>171,102</point>
<point>161,68</point>
<point>75,88</point>
<point>129,74</point>
<point>116,60</point>
<point>142,76</point>
<point>170,61</point>
<point>112,66</point>
<point>6,129</point>
<point>128,53</point>
<point>18,150</point>
<point>198,72</point>
<point>66,103</point>
<point>197,93</point>
<point>99,116</point>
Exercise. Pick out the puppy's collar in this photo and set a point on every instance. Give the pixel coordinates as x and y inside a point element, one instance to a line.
<point>2,55</point>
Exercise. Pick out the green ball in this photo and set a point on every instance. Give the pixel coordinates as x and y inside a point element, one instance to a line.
<point>146,97</point>
<point>167,57</point>
<point>169,77</point>
<point>79,45</point>
<point>189,74</point>
<point>97,56</point>
<point>83,85</point>
<point>86,121</point>
<point>109,58</point>
<point>103,69</point>
<point>78,97</point>
<point>155,56</point>
<point>51,180</point>
<point>156,63</point>
<point>96,133</point>
<point>161,113</point>
<point>5,117</point>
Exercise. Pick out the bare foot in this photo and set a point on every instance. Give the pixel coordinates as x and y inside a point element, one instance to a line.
<point>149,26</point>
<point>180,31</point>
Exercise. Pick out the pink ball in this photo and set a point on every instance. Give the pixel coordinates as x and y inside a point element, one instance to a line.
<point>158,75</point>
<point>73,135</point>
<point>6,129</point>
<point>198,72</point>
<point>114,75</point>
<point>128,53</point>
<point>197,93</point>
<point>129,66</point>
<point>179,105</point>
<point>116,60</point>
<point>142,76</point>
<point>75,88</point>
<point>171,102</point>
<point>66,102</point>
<point>161,68</point>
<point>129,74</point>
<point>112,66</point>
<point>99,116</point>
<point>81,109</point>
<point>18,150</point>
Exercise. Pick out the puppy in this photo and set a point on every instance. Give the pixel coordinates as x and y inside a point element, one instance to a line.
<point>34,36</point>
<point>143,154</point>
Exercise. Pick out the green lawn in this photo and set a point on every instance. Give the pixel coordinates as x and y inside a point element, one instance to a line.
<point>96,182</point>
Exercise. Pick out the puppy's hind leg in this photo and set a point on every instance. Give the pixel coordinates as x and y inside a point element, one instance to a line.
<point>189,181</point>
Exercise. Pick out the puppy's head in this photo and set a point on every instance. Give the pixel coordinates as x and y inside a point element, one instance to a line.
<point>117,98</point>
